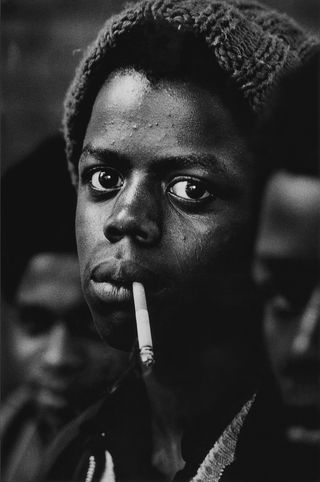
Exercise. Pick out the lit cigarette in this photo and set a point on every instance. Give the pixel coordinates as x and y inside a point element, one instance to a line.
<point>143,324</point>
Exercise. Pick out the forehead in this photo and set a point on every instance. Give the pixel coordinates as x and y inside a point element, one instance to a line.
<point>129,91</point>
<point>50,278</point>
<point>290,221</point>
<point>166,114</point>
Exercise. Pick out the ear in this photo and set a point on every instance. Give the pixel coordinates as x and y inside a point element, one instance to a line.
<point>73,171</point>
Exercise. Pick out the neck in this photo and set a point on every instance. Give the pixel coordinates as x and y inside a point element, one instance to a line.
<point>166,428</point>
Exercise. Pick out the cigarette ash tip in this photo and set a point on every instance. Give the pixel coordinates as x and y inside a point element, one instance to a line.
<point>146,356</point>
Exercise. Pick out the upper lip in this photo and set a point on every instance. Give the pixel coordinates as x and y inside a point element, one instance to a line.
<point>123,273</point>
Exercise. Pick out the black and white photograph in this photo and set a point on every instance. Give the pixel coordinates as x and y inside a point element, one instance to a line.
<point>160,241</point>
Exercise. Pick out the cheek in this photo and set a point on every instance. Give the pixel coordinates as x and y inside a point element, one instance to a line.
<point>203,242</point>
<point>89,227</point>
<point>27,350</point>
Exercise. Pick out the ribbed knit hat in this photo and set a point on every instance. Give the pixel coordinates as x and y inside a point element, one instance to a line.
<point>252,44</point>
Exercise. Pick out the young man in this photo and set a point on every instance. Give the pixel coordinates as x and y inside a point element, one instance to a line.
<point>287,272</point>
<point>162,126</point>
<point>63,364</point>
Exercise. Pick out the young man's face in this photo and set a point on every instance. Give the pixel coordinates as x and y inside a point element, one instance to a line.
<point>287,269</point>
<point>62,359</point>
<point>164,198</point>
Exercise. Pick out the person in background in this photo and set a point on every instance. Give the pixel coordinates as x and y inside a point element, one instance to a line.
<point>286,266</point>
<point>64,365</point>
<point>161,124</point>
<point>287,272</point>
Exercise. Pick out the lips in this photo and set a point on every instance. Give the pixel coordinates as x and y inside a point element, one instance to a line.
<point>111,292</point>
<point>111,281</point>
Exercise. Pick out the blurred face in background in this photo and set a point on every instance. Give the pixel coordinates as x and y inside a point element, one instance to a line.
<point>287,270</point>
<point>65,363</point>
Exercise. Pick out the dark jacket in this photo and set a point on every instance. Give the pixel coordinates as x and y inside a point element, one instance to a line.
<point>120,424</point>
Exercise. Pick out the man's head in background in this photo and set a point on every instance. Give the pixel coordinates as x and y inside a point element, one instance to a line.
<point>62,360</point>
<point>287,271</point>
<point>288,245</point>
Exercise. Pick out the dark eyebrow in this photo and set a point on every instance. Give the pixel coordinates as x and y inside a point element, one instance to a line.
<point>209,162</point>
<point>103,155</point>
<point>206,161</point>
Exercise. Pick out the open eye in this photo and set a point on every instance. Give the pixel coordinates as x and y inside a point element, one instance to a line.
<point>193,190</point>
<point>106,180</point>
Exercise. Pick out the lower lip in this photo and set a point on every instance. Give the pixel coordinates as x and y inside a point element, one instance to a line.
<point>111,293</point>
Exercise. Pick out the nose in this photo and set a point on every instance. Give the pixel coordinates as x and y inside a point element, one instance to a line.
<point>136,214</point>
<point>307,336</point>
<point>62,351</point>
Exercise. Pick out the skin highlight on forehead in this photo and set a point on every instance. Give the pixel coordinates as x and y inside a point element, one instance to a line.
<point>128,88</point>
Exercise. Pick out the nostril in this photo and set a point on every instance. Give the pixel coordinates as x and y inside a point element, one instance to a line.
<point>114,233</point>
<point>148,235</point>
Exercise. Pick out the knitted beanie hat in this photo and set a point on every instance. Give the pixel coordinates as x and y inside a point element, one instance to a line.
<point>252,44</point>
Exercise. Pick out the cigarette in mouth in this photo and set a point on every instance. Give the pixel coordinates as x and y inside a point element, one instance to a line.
<point>143,324</point>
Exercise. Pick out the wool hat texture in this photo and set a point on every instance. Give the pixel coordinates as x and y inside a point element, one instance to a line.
<point>253,44</point>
